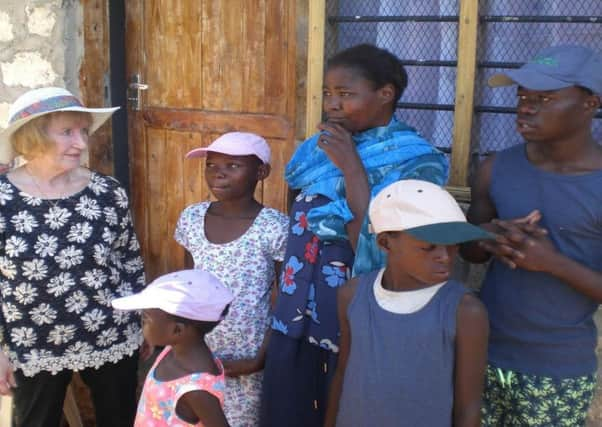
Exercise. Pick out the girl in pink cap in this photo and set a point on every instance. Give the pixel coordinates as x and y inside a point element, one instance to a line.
<point>241,242</point>
<point>185,385</point>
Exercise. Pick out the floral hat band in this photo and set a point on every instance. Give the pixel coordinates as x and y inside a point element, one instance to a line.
<point>46,105</point>
<point>41,101</point>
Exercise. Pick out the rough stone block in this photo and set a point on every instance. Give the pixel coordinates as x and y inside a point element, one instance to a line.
<point>6,27</point>
<point>28,69</point>
<point>40,20</point>
<point>4,106</point>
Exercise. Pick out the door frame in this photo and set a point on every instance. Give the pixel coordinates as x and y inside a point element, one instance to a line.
<point>118,90</point>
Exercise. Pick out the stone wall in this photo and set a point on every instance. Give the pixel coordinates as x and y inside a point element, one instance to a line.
<point>41,44</point>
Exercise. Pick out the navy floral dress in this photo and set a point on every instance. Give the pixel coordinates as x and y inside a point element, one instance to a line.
<point>312,272</point>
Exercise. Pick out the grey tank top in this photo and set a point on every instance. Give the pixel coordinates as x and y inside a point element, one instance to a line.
<point>401,366</point>
<point>539,324</point>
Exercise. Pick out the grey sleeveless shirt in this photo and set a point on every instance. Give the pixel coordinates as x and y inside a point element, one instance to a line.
<point>400,370</point>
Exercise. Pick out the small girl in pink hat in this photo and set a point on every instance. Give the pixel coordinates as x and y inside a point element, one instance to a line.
<point>242,242</point>
<point>185,385</point>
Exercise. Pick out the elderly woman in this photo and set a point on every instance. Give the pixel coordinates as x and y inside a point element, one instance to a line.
<point>67,248</point>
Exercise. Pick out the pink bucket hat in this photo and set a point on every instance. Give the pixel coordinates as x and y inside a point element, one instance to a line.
<point>38,102</point>
<point>192,294</point>
<point>236,144</point>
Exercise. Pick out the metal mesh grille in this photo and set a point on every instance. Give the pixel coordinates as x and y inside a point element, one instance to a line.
<point>423,34</point>
<point>511,32</point>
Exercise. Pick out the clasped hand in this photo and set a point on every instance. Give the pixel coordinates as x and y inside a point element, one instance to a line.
<point>520,242</point>
<point>338,144</point>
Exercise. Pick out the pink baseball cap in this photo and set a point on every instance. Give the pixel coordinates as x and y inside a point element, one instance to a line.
<point>192,294</point>
<point>236,144</point>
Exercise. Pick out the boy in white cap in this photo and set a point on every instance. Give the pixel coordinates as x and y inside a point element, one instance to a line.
<point>185,386</point>
<point>413,342</point>
<point>544,283</point>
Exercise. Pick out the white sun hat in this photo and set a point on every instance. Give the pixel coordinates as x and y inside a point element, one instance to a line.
<point>36,103</point>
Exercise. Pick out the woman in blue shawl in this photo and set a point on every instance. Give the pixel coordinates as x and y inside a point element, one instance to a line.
<point>360,149</point>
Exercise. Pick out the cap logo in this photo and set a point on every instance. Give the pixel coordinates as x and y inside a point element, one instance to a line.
<point>543,60</point>
<point>45,105</point>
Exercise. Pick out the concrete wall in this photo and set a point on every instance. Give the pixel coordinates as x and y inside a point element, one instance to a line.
<point>41,44</point>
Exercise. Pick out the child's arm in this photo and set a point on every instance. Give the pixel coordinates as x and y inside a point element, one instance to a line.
<point>290,199</point>
<point>481,211</point>
<point>276,285</point>
<point>205,407</point>
<point>188,261</point>
<point>344,296</point>
<point>472,332</point>
<point>236,368</point>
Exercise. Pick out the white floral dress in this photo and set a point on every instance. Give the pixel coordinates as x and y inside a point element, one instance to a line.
<point>246,266</point>
<point>61,263</point>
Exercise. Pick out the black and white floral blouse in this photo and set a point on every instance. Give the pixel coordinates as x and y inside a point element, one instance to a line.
<point>62,261</point>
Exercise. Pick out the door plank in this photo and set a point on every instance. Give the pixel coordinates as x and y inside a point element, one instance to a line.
<point>157,232</point>
<point>138,174</point>
<point>173,56</point>
<point>203,121</point>
<point>173,193</point>
<point>212,66</point>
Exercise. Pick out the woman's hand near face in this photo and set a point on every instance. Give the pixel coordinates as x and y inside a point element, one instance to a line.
<point>7,379</point>
<point>337,143</point>
<point>339,146</point>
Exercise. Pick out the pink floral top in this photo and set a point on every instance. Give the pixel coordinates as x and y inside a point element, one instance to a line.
<point>157,406</point>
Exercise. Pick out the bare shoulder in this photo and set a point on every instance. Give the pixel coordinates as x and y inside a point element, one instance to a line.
<point>471,310</point>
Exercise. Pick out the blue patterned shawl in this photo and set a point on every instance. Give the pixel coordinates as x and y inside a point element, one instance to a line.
<point>389,153</point>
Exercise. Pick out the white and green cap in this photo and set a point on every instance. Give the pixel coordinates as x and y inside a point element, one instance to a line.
<point>425,211</point>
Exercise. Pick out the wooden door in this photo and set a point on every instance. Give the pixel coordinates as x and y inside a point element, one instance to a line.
<point>211,66</point>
